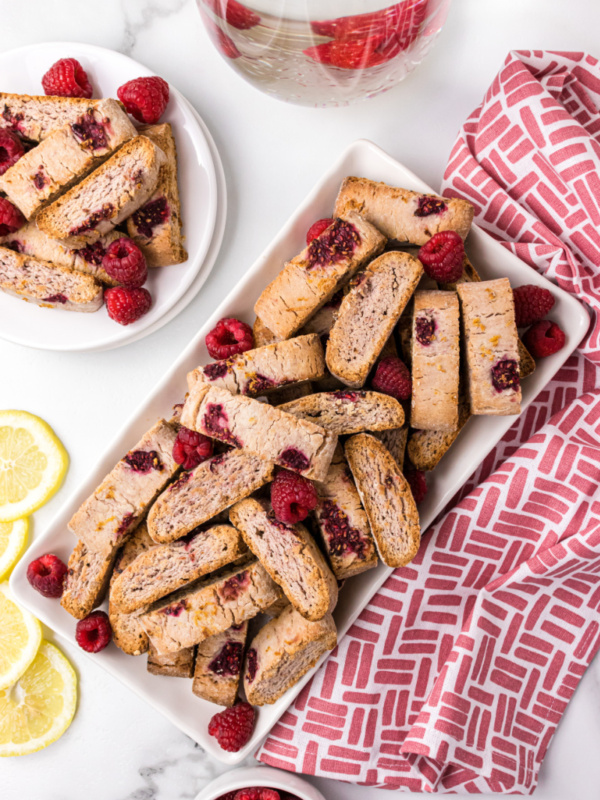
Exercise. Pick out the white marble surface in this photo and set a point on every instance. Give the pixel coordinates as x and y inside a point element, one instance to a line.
<point>117,748</point>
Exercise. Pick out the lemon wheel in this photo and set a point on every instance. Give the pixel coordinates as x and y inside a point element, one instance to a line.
<point>20,637</point>
<point>13,538</point>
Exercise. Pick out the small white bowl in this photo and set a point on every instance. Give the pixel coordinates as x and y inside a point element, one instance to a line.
<point>246,777</point>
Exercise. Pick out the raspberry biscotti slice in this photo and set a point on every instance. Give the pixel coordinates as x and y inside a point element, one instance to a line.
<point>403,215</point>
<point>179,664</point>
<point>65,156</point>
<point>387,499</point>
<point>219,662</point>
<point>46,284</point>
<point>290,556</point>
<point>368,315</point>
<point>87,579</point>
<point>492,347</point>
<point>210,606</point>
<point>259,428</point>
<point>283,652</point>
<point>348,411</point>
<point>310,279</point>
<point>34,117</point>
<point>106,197</point>
<point>264,369</point>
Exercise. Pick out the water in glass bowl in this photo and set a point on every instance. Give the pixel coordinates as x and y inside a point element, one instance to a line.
<point>323,52</point>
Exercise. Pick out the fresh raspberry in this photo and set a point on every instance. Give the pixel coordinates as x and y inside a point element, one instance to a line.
<point>228,796</point>
<point>392,377</point>
<point>67,78</point>
<point>47,575</point>
<point>442,257</point>
<point>532,303</point>
<point>228,338</point>
<point>317,228</point>
<point>224,42</point>
<point>233,726</point>
<point>544,338</point>
<point>11,149</point>
<point>11,218</point>
<point>191,448</point>
<point>417,482</point>
<point>127,305</point>
<point>125,263</point>
<point>292,497</point>
<point>257,793</point>
<point>145,98</point>
<point>236,14</point>
<point>94,632</point>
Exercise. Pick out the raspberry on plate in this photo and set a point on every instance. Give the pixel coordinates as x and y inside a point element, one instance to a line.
<point>11,218</point>
<point>67,78</point>
<point>191,448</point>
<point>127,305</point>
<point>393,377</point>
<point>442,257</point>
<point>47,575</point>
<point>11,149</point>
<point>532,303</point>
<point>94,632</point>
<point>317,228</point>
<point>233,727</point>
<point>292,497</point>
<point>544,338</point>
<point>417,482</point>
<point>125,263</point>
<point>145,98</point>
<point>229,337</point>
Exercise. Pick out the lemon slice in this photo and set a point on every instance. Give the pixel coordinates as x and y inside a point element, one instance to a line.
<point>20,637</point>
<point>33,463</point>
<point>13,538</point>
<point>37,709</point>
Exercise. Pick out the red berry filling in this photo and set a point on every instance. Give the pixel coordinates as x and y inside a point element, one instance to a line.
<point>93,253</point>
<point>11,218</point>
<point>11,150</point>
<point>125,263</point>
<point>191,448</point>
<point>341,536</point>
<point>125,523</point>
<point>150,216</point>
<point>505,375</point>
<point>93,220</point>
<point>216,462</point>
<point>126,305</point>
<point>94,632</point>
<point>229,337</point>
<point>430,205</point>
<point>337,243</point>
<point>229,660</point>
<point>56,298</point>
<point>258,383</point>
<point>425,329</point>
<point>292,497</point>
<point>532,303</point>
<point>251,665</point>
<point>392,377</point>
<point>233,726</point>
<point>317,228</point>
<point>347,396</point>
<point>234,586</point>
<point>90,133</point>
<point>294,459</point>
<point>215,422</point>
<point>47,575</point>
<point>544,338</point>
<point>442,257</point>
<point>67,78</point>
<point>175,609</point>
<point>216,370</point>
<point>40,179</point>
<point>145,98</point>
<point>144,461</point>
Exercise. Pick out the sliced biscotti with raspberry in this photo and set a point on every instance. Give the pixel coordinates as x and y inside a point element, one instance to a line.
<point>435,361</point>
<point>426,449</point>
<point>342,521</point>
<point>121,501</point>
<point>209,606</point>
<point>290,556</point>
<point>172,665</point>
<point>156,226</point>
<point>219,662</point>
<point>262,370</point>
<point>368,315</point>
<point>261,429</point>
<point>109,195</point>
<point>387,499</point>
<point>310,279</point>
<point>282,652</point>
<point>491,347</point>
<point>403,215</point>
<point>202,493</point>
<point>46,284</point>
<point>348,411</point>
<point>66,156</point>
<point>87,579</point>
<point>167,567</point>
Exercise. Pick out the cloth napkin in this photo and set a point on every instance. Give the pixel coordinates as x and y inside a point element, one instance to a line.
<point>456,675</point>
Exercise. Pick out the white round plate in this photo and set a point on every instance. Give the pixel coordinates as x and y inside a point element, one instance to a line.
<point>202,200</point>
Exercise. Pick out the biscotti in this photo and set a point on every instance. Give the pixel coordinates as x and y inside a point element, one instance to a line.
<point>260,371</point>
<point>342,522</point>
<point>288,393</point>
<point>87,579</point>
<point>46,284</point>
<point>310,279</point>
<point>387,499</point>
<point>348,411</point>
<point>110,194</point>
<point>167,567</point>
<point>262,335</point>
<point>210,606</point>
<point>426,448</point>
<point>116,507</point>
<point>491,347</point>
<point>282,652</point>
<point>172,665</point>
<point>202,493</point>
<point>219,663</point>
<point>400,214</point>
<point>66,156</point>
<point>435,361</point>
<point>290,556</point>
<point>156,226</point>
<point>395,441</point>
<point>259,428</point>
<point>368,314</point>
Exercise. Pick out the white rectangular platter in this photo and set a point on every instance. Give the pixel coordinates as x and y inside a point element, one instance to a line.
<point>173,697</point>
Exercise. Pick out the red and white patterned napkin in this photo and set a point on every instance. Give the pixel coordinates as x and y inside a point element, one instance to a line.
<point>455,676</point>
